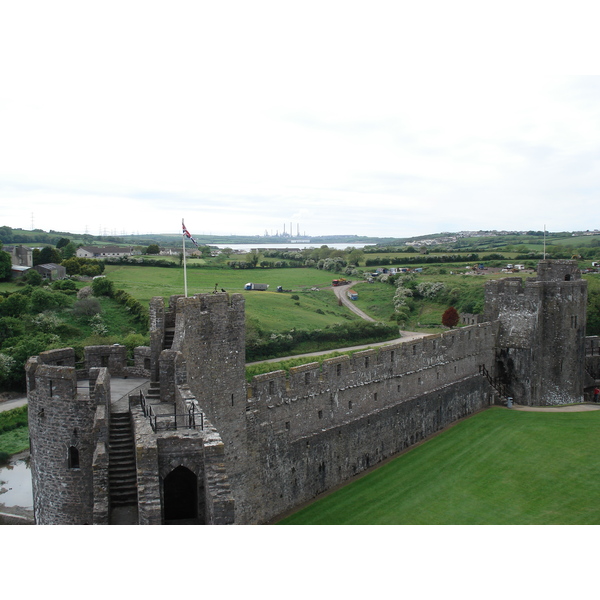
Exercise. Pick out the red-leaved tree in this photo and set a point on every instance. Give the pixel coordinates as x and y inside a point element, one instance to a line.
<point>450,317</point>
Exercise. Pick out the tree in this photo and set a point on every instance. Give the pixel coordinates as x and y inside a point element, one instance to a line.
<point>253,257</point>
<point>153,249</point>
<point>450,318</point>
<point>47,255</point>
<point>5,265</point>
<point>63,242</point>
<point>69,251</point>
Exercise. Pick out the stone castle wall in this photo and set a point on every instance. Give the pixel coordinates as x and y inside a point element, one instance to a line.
<point>294,470</point>
<point>322,425</point>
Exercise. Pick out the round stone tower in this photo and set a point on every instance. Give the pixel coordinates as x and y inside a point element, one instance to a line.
<point>61,424</point>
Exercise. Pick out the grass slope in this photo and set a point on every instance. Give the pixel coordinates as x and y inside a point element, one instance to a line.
<point>497,467</point>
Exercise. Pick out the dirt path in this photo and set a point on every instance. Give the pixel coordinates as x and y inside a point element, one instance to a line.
<point>570,408</point>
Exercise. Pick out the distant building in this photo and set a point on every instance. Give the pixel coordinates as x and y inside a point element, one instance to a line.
<point>18,271</point>
<point>51,271</point>
<point>21,256</point>
<point>105,252</point>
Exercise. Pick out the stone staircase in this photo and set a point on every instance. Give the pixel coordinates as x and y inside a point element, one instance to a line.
<point>122,475</point>
<point>153,392</point>
<point>169,336</point>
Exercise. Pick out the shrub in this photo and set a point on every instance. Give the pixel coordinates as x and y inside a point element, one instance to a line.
<point>98,325</point>
<point>85,292</point>
<point>87,307</point>
<point>103,287</point>
<point>42,300</point>
<point>65,285</point>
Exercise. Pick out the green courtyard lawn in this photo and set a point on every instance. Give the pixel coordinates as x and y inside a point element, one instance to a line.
<point>498,467</point>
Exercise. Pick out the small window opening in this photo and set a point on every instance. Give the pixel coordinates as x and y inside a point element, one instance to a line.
<point>320,414</point>
<point>271,387</point>
<point>339,369</point>
<point>306,378</point>
<point>73,458</point>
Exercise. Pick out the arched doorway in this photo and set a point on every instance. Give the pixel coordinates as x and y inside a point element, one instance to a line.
<point>180,494</point>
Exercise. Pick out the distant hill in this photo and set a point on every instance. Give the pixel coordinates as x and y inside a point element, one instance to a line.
<point>481,240</point>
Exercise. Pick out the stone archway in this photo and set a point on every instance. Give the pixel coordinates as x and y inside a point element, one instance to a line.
<point>180,497</point>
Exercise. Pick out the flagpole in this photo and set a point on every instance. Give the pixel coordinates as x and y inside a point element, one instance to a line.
<point>184,264</point>
<point>544,242</point>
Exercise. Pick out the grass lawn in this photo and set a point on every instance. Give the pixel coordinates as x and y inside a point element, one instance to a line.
<point>143,283</point>
<point>14,441</point>
<point>498,467</point>
<point>274,311</point>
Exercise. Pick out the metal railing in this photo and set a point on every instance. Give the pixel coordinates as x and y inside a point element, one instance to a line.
<point>494,382</point>
<point>193,419</point>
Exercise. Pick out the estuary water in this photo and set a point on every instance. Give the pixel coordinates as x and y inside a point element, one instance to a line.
<point>15,485</point>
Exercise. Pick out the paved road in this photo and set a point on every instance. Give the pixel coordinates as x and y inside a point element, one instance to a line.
<point>9,404</point>
<point>341,291</point>
<point>407,336</point>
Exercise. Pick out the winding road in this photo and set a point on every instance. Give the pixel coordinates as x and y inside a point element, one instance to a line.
<point>341,291</point>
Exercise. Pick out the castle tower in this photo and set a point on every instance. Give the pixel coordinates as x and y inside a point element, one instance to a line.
<point>540,350</point>
<point>61,431</point>
<point>210,333</point>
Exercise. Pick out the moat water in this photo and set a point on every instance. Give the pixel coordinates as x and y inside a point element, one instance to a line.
<point>15,485</point>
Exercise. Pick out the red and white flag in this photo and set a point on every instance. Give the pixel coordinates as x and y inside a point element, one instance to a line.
<point>187,233</point>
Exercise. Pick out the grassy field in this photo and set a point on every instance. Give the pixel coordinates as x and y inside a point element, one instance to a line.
<point>145,282</point>
<point>273,310</point>
<point>498,467</point>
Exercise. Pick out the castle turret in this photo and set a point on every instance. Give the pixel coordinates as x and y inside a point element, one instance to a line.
<point>61,430</point>
<point>540,350</point>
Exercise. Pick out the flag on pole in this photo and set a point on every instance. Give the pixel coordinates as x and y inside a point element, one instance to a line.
<point>188,234</point>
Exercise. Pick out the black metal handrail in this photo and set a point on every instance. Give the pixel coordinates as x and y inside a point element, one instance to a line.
<point>193,419</point>
<point>494,381</point>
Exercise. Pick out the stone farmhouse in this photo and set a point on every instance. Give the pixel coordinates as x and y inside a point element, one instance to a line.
<point>21,256</point>
<point>196,443</point>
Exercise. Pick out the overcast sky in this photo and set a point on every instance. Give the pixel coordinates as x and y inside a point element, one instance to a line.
<point>368,118</point>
